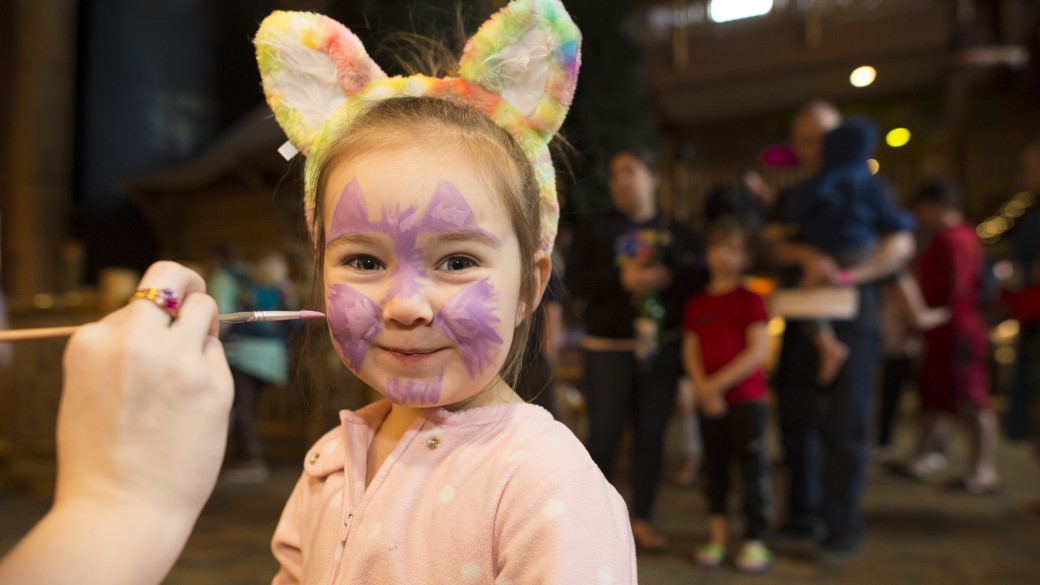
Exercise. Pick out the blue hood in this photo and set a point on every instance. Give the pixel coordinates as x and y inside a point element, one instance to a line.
<point>851,143</point>
<point>834,205</point>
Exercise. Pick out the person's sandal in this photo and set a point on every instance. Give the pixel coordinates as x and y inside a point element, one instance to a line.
<point>754,559</point>
<point>709,556</point>
<point>647,539</point>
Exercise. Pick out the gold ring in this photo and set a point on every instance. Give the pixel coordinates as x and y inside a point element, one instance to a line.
<point>164,298</point>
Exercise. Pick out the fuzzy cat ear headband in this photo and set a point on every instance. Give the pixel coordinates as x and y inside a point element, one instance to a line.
<point>519,69</point>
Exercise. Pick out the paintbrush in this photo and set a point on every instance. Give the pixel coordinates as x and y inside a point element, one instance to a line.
<point>245,317</point>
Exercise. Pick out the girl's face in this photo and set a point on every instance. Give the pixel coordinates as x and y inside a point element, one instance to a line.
<point>727,257</point>
<point>422,276</point>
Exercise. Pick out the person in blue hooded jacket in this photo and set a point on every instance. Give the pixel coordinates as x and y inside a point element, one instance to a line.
<point>839,227</point>
<point>838,208</point>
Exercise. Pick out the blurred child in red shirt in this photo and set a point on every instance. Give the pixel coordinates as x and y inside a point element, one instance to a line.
<point>724,347</point>
<point>953,380</point>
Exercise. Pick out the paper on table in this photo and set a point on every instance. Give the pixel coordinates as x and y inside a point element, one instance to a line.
<point>839,303</point>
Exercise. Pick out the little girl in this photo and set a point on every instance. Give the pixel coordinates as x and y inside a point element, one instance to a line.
<point>432,207</point>
<point>724,347</point>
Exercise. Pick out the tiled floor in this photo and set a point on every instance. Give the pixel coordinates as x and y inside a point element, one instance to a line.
<point>917,535</point>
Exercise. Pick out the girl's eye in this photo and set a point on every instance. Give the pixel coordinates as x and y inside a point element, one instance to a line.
<point>364,263</point>
<point>455,263</point>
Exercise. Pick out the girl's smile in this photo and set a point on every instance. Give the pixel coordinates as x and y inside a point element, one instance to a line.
<point>411,356</point>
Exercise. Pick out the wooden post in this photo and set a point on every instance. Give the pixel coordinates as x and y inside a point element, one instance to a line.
<point>38,152</point>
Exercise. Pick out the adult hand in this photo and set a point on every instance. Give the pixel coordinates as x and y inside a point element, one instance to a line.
<point>141,431</point>
<point>144,411</point>
<point>933,317</point>
<point>640,279</point>
<point>818,269</point>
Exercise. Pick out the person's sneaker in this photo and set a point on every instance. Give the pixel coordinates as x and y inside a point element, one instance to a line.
<point>754,558</point>
<point>647,538</point>
<point>933,463</point>
<point>837,550</point>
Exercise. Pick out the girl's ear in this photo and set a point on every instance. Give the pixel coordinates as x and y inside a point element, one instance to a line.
<point>309,64</point>
<point>542,271</point>
<point>528,53</point>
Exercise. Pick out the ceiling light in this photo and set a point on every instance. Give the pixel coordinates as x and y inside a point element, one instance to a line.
<point>863,76</point>
<point>727,10</point>
<point>897,137</point>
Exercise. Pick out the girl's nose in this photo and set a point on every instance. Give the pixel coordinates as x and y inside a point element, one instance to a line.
<point>408,310</point>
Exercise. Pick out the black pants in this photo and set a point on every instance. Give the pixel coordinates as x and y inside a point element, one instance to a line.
<point>824,431</point>
<point>895,373</point>
<point>739,437</point>
<point>619,388</point>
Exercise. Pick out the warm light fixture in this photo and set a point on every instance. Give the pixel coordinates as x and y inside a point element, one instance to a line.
<point>863,76</point>
<point>1013,208</point>
<point>1005,355</point>
<point>727,10</point>
<point>873,165</point>
<point>776,326</point>
<point>897,137</point>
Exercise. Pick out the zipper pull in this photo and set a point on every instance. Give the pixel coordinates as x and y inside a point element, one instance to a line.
<point>344,530</point>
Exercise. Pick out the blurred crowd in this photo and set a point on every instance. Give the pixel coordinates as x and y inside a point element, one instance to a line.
<point>258,353</point>
<point>868,297</point>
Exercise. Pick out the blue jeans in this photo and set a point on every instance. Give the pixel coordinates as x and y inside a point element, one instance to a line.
<point>824,431</point>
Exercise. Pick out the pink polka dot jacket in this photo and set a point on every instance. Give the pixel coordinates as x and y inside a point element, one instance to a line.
<point>497,495</point>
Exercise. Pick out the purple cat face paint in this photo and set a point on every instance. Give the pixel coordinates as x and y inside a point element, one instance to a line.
<point>354,321</point>
<point>414,392</point>
<point>469,320</point>
<point>447,212</point>
<point>410,267</point>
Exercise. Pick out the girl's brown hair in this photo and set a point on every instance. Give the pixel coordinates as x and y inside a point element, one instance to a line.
<point>463,131</point>
<point>726,227</point>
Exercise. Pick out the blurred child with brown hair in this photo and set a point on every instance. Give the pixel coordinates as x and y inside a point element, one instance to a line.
<point>724,347</point>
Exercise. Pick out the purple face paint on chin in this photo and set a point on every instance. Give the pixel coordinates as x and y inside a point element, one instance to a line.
<point>468,320</point>
<point>354,320</point>
<point>417,392</point>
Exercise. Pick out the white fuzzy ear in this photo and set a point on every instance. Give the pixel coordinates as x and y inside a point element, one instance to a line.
<point>309,64</point>
<point>528,53</point>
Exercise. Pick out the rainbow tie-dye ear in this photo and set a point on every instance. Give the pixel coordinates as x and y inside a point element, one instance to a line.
<point>309,64</point>
<point>527,53</point>
<point>520,69</point>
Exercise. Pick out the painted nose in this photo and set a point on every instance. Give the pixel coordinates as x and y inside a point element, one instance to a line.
<point>408,310</point>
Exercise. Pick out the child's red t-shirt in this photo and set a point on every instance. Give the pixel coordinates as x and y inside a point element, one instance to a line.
<point>721,322</point>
